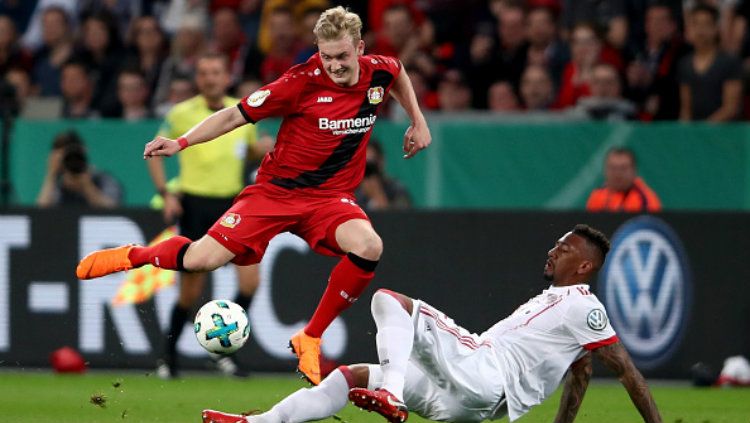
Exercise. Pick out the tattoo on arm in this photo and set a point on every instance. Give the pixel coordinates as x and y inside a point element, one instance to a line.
<point>576,383</point>
<point>617,359</point>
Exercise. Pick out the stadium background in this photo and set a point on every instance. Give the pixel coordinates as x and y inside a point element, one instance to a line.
<point>491,194</point>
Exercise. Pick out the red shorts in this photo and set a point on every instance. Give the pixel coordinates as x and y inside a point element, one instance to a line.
<point>262,211</point>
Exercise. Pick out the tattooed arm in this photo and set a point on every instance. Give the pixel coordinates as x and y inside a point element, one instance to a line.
<point>576,383</point>
<point>617,359</point>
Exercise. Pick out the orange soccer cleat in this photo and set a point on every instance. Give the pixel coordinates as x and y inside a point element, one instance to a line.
<point>213,416</point>
<point>380,401</point>
<point>103,262</point>
<point>307,349</point>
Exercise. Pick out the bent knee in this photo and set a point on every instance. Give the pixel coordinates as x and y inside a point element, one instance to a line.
<point>383,294</point>
<point>369,247</point>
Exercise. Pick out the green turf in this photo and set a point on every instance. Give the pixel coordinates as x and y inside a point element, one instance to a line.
<point>41,397</point>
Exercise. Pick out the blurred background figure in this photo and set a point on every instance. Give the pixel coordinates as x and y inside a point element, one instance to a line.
<point>502,98</point>
<point>537,90</point>
<point>606,101</point>
<point>710,79</point>
<point>72,180</point>
<point>378,191</point>
<point>187,45</point>
<point>623,189</point>
<point>77,91</point>
<point>133,95</point>
<point>55,50</point>
<point>180,89</point>
<point>454,94</point>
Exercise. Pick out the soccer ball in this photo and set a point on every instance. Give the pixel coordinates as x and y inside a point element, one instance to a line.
<point>221,326</point>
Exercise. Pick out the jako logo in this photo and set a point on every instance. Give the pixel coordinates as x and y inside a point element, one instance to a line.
<point>647,290</point>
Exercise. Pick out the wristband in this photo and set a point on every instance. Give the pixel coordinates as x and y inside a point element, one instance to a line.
<point>183,143</point>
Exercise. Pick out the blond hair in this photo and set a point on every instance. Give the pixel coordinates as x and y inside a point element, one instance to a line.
<point>335,23</point>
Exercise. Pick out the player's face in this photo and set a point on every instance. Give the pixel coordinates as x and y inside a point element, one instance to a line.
<point>564,260</point>
<point>341,59</point>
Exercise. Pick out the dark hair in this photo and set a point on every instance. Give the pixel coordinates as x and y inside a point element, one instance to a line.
<point>594,238</point>
<point>66,138</point>
<point>706,8</point>
<point>623,150</point>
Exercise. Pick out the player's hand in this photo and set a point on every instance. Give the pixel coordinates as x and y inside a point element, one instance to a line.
<point>161,146</point>
<point>416,138</point>
<point>172,208</point>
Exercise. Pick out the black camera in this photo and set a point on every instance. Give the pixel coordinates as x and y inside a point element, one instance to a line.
<point>371,169</point>
<point>74,159</point>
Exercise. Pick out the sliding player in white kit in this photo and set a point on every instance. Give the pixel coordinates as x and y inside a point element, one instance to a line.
<point>445,373</point>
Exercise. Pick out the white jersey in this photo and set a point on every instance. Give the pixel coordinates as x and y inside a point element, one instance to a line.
<point>536,344</point>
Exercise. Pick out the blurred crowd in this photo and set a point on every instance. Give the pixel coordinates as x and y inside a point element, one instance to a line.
<point>597,59</point>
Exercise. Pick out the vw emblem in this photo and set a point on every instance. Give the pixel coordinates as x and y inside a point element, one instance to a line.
<point>596,319</point>
<point>646,289</point>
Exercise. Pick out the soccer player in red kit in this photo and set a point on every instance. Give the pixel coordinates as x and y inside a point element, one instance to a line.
<point>305,185</point>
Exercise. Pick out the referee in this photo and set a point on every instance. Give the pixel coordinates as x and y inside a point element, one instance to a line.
<point>210,176</point>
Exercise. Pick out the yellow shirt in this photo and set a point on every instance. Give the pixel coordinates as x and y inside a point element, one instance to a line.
<point>213,168</point>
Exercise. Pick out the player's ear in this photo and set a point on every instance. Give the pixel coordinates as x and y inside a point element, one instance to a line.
<point>361,47</point>
<point>585,267</point>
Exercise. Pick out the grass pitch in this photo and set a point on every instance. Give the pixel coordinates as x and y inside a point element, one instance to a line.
<point>43,397</point>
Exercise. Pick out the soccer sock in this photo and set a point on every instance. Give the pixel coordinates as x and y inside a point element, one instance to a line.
<point>167,254</point>
<point>395,339</point>
<point>243,300</point>
<point>348,280</point>
<point>176,323</point>
<point>314,403</point>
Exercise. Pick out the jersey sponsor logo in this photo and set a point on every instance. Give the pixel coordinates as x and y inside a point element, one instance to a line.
<point>647,289</point>
<point>230,220</point>
<point>347,126</point>
<point>327,99</point>
<point>375,95</point>
<point>596,319</point>
<point>257,98</point>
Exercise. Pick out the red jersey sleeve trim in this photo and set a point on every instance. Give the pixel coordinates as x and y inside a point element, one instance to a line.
<point>598,344</point>
<point>244,113</point>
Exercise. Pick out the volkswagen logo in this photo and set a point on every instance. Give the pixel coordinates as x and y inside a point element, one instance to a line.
<point>646,289</point>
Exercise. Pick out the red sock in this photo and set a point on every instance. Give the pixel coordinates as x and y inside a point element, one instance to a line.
<point>345,285</point>
<point>166,254</point>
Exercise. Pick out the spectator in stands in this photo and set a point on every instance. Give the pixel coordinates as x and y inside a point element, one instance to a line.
<point>56,49</point>
<point>101,49</point>
<point>180,89</point>
<point>652,74</point>
<point>11,52</point>
<point>585,52</point>
<point>399,35</point>
<point>132,92</point>
<point>546,49</point>
<point>537,90</point>
<point>378,191</point>
<point>454,94</point>
<point>188,44</point>
<point>229,40</point>
<point>608,14</point>
<point>33,37</point>
<point>20,79</point>
<point>71,180</point>
<point>306,36</point>
<point>77,91</point>
<point>149,50</point>
<point>710,80</point>
<point>123,12</point>
<point>284,45</point>
<point>248,86</point>
<point>623,190</point>
<point>606,101</point>
<point>501,97</point>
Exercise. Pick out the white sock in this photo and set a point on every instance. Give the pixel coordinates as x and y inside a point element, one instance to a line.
<point>309,404</point>
<point>395,339</point>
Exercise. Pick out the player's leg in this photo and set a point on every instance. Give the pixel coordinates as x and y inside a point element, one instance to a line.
<point>349,278</point>
<point>191,288</point>
<point>306,404</point>
<point>395,337</point>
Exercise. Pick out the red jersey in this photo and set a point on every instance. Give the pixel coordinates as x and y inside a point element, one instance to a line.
<point>322,140</point>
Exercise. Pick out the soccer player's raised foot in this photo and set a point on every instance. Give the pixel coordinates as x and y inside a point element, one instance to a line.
<point>104,262</point>
<point>380,401</point>
<point>307,350</point>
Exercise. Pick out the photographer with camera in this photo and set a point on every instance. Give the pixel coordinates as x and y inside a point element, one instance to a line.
<point>70,180</point>
<point>377,191</point>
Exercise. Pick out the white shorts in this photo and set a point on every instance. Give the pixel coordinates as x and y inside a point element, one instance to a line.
<point>452,374</point>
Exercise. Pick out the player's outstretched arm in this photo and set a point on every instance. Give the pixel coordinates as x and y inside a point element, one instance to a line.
<point>212,127</point>
<point>615,357</point>
<point>576,383</point>
<point>418,136</point>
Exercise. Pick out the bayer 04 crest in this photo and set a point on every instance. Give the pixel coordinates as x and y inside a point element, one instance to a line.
<point>221,326</point>
<point>646,288</point>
